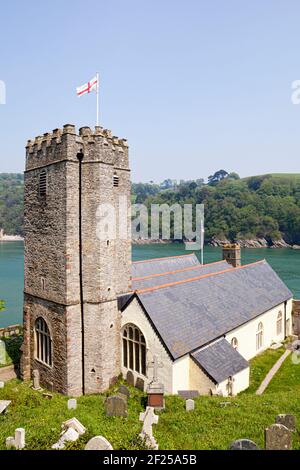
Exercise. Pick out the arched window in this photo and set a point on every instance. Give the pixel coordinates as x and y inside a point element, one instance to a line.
<point>134,349</point>
<point>43,184</point>
<point>43,346</point>
<point>259,336</point>
<point>279,323</point>
<point>234,343</point>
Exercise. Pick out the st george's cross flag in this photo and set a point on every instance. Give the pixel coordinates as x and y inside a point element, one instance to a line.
<point>88,87</point>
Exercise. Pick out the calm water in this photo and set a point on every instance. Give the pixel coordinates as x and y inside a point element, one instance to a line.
<point>285,262</point>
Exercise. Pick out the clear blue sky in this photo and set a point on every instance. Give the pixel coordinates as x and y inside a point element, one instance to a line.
<point>194,85</point>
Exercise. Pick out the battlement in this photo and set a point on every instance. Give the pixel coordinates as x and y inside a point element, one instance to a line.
<point>63,144</point>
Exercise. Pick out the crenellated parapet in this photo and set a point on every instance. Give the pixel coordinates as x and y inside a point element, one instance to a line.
<point>64,144</point>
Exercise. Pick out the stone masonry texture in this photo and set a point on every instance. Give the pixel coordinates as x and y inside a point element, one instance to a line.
<point>52,256</point>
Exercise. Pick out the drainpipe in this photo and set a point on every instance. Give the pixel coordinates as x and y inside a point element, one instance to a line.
<point>80,157</point>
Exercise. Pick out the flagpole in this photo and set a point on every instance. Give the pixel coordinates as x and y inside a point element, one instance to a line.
<point>97,93</point>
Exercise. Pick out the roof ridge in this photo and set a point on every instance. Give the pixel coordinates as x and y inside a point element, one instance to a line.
<point>163,257</point>
<point>198,266</point>
<point>183,281</point>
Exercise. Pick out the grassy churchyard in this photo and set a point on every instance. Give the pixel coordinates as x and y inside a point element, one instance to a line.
<point>212,425</point>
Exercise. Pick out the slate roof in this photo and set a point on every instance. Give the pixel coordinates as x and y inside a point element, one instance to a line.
<point>191,314</point>
<point>179,275</point>
<point>163,265</point>
<point>220,360</point>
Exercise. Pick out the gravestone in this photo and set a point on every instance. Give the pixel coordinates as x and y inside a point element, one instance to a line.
<point>1,384</point>
<point>124,390</point>
<point>189,405</point>
<point>243,444</point>
<point>36,379</point>
<point>2,352</point>
<point>289,421</point>
<point>130,378</point>
<point>140,384</point>
<point>149,418</point>
<point>98,443</point>
<point>4,405</point>
<point>186,394</point>
<point>278,437</point>
<point>116,406</point>
<point>70,435</point>
<point>75,424</point>
<point>17,442</point>
<point>72,404</point>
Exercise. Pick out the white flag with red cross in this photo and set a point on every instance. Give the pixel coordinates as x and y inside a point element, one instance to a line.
<point>88,87</point>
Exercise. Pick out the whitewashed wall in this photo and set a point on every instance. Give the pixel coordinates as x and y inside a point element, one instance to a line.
<point>246,334</point>
<point>134,314</point>
<point>241,382</point>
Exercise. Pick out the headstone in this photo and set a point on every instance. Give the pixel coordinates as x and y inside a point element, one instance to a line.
<point>1,384</point>
<point>20,438</point>
<point>186,394</point>
<point>75,424</point>
<point>17,442</point>
<point>130,378</point>
<point>36,379</point>
<point>72,404</point>
<point>278,437</point>
<point>4,405</point>
<point>243,444</point>
<point>124,390</point>
<point>189,405</point>
<point>140,384</point>
<point>116,406</point>
<point>2,352</point>
<point>70,435</point>
<point>149,418</point>
<point>289,421</point>
<point>98,443</point>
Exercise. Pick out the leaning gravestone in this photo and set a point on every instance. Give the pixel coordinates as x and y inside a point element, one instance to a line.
<point>130,378</point>
<point>2,352</point>
<point>278,437</point>
<point>189,405</point>
<point>98,443</point>
<point>289,421</point>
<point>243,444</point>
<point>140,384</point>
<point>116,406</point>
<point>124,391</point>
<point>4,405</point>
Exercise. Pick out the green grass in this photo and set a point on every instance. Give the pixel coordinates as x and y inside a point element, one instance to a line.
<point>209,426</point>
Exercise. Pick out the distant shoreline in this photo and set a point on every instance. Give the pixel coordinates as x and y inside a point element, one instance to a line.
<point>11,238</point>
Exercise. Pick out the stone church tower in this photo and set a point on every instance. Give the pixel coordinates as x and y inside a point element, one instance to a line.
<point>74,273</point>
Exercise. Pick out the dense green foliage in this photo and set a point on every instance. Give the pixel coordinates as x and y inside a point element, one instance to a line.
<point>209,426</point>
<point>11,203</point>
<point>265,206</point>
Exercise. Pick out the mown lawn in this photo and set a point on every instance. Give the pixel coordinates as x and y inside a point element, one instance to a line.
<point>209,426</point>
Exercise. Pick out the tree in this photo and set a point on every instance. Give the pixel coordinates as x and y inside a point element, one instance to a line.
<point>217,177</point>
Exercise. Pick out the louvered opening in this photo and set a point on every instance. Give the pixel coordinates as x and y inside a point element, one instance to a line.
<point>115,181</point>
<point>43,184</point>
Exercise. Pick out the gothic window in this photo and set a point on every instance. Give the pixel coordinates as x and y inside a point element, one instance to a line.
<point>134,349</point>
<point>234,343</point>
<point>43,184</point>
<point>279,323</point>
<point>43,346</point>
<point>259,336</point>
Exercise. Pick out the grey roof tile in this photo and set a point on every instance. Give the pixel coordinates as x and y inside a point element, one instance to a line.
<point>220,360</point>
<point>192,314</point>
<point>163,265</point>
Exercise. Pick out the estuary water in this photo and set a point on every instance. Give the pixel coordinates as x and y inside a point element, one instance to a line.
<point>286,263</point>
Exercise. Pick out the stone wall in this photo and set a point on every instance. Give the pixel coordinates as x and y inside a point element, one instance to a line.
<point>296,317</point>
<point>52,256</point>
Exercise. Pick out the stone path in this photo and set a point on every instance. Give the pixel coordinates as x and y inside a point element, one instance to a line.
<point>272,372</point>
<point>7,373</point>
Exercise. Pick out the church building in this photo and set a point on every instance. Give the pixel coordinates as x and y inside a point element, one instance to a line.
<point>91,314</point>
